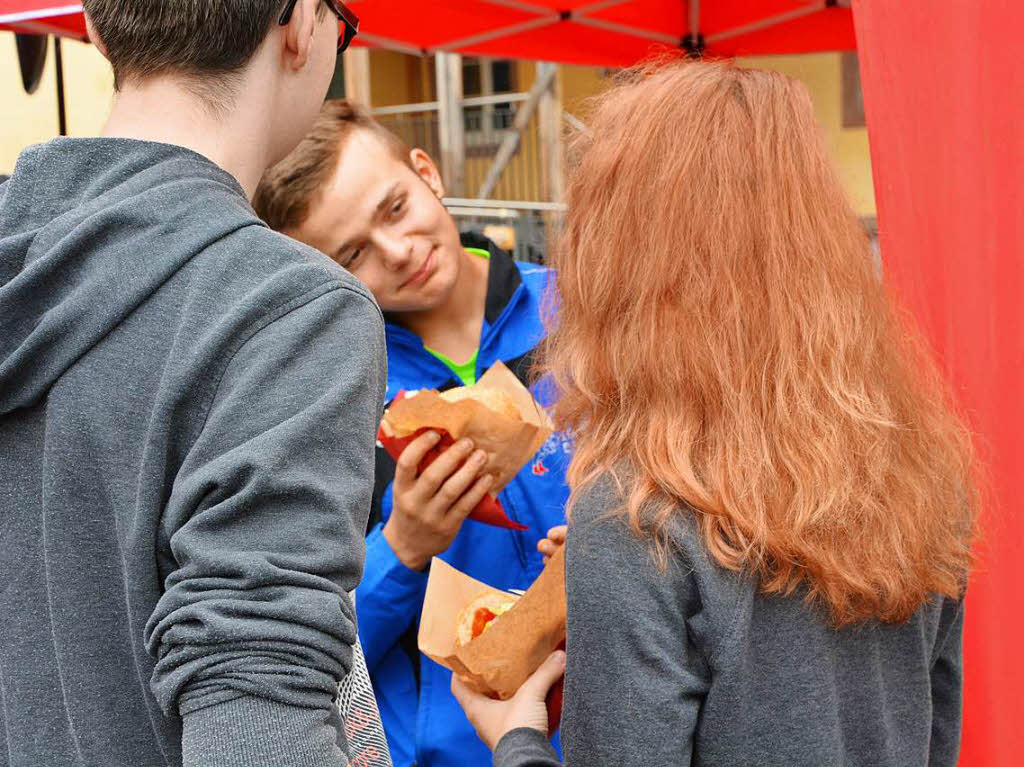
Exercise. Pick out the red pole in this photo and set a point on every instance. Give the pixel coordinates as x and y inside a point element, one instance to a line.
<point>944,94</point>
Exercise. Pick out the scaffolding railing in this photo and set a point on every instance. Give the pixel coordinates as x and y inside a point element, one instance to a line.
<point>527,229</point>
<point>486,121</point>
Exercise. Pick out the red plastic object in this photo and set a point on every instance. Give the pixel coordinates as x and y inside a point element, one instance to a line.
<point>554,703</point>
<point>489,510</point>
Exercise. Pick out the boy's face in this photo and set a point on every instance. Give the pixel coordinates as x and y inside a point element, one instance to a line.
<point>384,222</point>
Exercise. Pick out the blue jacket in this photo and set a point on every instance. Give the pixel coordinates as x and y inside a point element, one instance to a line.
<point>424,724</point>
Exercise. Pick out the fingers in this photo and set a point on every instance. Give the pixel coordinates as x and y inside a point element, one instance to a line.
<point>407,466</point>
<point>469,699</point>
<point>556,538</point>
<point>458,483</point>
<point>550,671</point>
<point>441,469</point>
<point>462,693</point>
<point>471,498</point>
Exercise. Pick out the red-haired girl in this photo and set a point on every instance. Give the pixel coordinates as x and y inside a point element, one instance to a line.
<point>773,503</point>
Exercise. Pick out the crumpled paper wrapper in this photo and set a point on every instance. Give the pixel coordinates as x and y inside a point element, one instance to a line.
<point>498,661</point>
<point>508,442</point>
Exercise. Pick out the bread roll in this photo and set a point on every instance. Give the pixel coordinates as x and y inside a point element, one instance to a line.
<point>493,399</point>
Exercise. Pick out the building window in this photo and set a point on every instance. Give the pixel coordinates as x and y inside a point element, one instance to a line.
<point>484,125</point>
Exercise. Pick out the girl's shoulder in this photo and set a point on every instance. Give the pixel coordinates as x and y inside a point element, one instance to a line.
<point>605,552</point>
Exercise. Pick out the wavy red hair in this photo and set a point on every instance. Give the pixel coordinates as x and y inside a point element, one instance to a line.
<point>724,347</point>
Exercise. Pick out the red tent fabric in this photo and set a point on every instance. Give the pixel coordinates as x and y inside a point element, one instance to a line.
<point>592,32</point>
<point>43,16</point>
<point>944,95</point>
<point>605,32</point>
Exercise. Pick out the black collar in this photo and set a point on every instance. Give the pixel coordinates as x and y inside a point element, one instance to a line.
<point>503,277</point>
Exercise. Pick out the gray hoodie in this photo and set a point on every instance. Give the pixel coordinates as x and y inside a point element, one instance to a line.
<point>188,404</point>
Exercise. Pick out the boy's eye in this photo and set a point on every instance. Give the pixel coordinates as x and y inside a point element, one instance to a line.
<point>351,258</point>
<point>397,207</point>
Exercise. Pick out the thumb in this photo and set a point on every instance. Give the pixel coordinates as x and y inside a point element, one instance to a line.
<point>550,671</point>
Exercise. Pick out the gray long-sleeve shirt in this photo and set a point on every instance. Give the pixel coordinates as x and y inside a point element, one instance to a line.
<point>694,666</point>
<point>188,409</point>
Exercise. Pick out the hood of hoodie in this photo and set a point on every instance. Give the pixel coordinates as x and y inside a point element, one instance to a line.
<point>89,229</point>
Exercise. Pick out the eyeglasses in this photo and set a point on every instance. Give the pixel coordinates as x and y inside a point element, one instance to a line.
<point>339,9</point>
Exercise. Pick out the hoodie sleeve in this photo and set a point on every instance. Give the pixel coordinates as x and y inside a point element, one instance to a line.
<point>265,522</point>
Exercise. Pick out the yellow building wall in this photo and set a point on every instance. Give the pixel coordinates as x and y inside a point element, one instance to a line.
<point>580,84</point>
<point>821,73</point>
<point>32,119</point>
<point>390,78</point>
<point>397,79</point>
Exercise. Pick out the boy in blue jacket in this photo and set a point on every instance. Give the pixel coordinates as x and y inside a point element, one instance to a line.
<point>453,307</point>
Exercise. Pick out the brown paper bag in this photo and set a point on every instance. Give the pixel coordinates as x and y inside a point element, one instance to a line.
<point>508,442</point>
<point>502,658</point>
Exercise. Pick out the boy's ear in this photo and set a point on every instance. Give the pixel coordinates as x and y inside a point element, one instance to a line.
<point>298,34</point>
<point>94,38</point>
<point>427,170</point>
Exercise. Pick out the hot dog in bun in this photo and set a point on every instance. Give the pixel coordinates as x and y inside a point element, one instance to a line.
<point>479,614</point>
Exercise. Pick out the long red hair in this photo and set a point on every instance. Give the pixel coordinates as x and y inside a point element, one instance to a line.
<point>725,347</point>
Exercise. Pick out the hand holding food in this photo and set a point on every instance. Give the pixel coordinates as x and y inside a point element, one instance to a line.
<point>495,640</point>
<point>429,507</point>
<point>493,719</point>
<point>500,417</point>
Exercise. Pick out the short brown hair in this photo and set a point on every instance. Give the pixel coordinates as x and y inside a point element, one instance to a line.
<point>289,189</point>
<point>211,37</point>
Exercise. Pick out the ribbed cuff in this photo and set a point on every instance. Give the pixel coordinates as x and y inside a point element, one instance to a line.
<point>255,732</point>
<point>525,747</point>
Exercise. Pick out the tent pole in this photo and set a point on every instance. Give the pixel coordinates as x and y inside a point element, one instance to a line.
<point>62,117</point>
<point>549,123</point>
<point>356,62</point>
<point>765,23</point>
<point>451,136</point>
<point>693,42</point>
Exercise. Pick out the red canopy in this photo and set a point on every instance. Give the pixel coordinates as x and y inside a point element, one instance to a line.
<point>606,32</point>
<point>43,16</point>
<point>592,32</point>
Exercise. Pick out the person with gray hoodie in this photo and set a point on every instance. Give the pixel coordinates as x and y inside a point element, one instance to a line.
<point>188,410</point>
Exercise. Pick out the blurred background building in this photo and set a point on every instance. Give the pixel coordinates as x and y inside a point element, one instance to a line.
<point>497,127</point>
